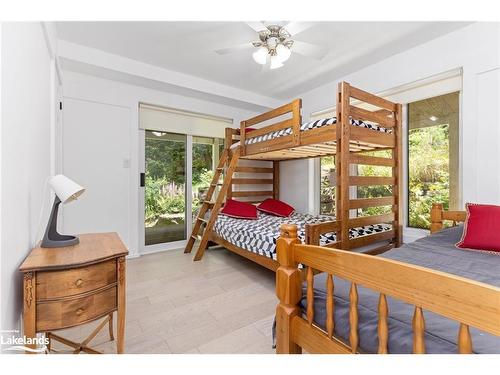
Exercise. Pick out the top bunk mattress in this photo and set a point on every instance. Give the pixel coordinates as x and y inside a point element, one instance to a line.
<point>260,236</point>
<point>308,126</point>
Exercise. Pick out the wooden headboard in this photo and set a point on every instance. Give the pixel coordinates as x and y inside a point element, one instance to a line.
<point>270,184</point>
<point>266,177</point>
<point>438,215</point>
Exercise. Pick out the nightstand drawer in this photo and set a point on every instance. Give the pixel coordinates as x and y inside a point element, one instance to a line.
<point>56,284</point>
<point>69,312</point>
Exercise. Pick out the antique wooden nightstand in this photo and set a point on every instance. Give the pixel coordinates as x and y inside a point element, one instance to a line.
<point>68,286</point>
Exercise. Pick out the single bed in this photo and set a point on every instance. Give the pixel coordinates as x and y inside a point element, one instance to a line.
<point>260,236</point>
<point>424,297</point>
<point>316,124</point>
<point>437,252</point>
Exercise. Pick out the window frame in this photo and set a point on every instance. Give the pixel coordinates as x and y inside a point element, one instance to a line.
<point>406,156</point>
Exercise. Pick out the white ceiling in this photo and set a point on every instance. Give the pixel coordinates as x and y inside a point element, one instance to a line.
<point>188,47</point>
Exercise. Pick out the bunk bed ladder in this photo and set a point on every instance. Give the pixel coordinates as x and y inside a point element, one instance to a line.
<point>207,202</point>
<point>213,206</point>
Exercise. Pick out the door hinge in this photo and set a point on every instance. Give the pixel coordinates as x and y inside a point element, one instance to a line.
<point>142,178</point>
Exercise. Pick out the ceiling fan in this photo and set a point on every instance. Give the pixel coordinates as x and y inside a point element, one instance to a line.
<point>276,44</point>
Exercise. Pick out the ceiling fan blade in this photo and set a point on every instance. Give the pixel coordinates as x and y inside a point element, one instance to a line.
<point>239,47</point>
<point>294,28</point>
<point>309,49</point>
<point>257,26</point>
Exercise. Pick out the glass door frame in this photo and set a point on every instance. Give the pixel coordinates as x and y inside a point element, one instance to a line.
<point>411,233</point>
<point>149,249</point>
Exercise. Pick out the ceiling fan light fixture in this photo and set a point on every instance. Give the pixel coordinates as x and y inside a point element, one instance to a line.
<point>283,52</point>
<point>260,56</point>
<point>275,62</point>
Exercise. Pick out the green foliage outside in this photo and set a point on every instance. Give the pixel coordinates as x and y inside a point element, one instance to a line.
<point>327,193</point>
<point>428,177</point>
<point>327,189</point>
<point>428,171</point>
<point>165,176</point>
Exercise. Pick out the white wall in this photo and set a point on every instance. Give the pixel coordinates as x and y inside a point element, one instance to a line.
<point>474,48</point>
<point>107,97</point>
<point>28,88</point>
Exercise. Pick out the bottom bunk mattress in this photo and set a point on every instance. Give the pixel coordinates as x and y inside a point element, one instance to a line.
<point>259,236</point>
<point>437,252</point>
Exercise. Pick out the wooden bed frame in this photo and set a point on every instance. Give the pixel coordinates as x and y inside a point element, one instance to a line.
<point>469,302</point>
<point>349,143</point>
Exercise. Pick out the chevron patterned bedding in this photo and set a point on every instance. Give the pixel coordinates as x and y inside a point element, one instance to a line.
<point>259,236</point>
<point>312,125</point>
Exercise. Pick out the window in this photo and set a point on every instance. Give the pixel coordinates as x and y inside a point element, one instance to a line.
<point>433,141</point>
<point>374,191</point>
<point>327,186</point>
<point>327,189</point>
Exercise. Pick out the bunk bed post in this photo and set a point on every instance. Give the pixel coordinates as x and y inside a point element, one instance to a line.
<point>397,173</point>
<point>436,217</point>
<point>288,290</point>
<point>228,143</point>
<point>342,164</point>
<point>276,180</point>
<point>228,139</point>
<point>297,120</point>
<point>243,132</point>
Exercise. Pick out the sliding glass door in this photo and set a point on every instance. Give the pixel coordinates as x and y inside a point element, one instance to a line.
<point>165,187</point>
<point>178,172</point>
<point>206,153</point>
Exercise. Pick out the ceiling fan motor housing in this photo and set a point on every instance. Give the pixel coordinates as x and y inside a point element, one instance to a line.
<point>273,36</point>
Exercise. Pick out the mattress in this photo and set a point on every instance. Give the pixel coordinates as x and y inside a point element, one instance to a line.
<point>308,126</point>
<point>437,252</point>
<point>259,236</point>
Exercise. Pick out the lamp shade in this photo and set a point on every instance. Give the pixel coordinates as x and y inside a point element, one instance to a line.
<point>66,190</point>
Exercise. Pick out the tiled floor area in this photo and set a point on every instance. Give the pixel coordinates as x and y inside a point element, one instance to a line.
<point>222,304</point>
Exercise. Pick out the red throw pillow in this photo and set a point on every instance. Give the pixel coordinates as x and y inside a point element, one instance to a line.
<point>239,210</point>
<point>481,229</point>
<point>276,207</point>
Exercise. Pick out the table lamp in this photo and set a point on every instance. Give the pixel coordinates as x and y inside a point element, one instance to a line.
<point>66,191</point>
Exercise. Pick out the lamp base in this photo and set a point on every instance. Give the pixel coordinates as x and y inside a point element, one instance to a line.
<point>67,241</point>
<point>51,237</point>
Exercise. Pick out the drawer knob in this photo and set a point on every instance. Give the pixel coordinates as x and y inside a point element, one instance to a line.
<point>79,283</point>
<point>79,312</point>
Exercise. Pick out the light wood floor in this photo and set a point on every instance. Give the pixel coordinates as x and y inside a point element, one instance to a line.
<point>222,304</point>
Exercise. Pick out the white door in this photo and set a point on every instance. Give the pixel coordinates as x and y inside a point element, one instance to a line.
<point>96,154</point>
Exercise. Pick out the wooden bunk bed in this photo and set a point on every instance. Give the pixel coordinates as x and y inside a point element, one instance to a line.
<point>285,140</point>
<point>468,303</point>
